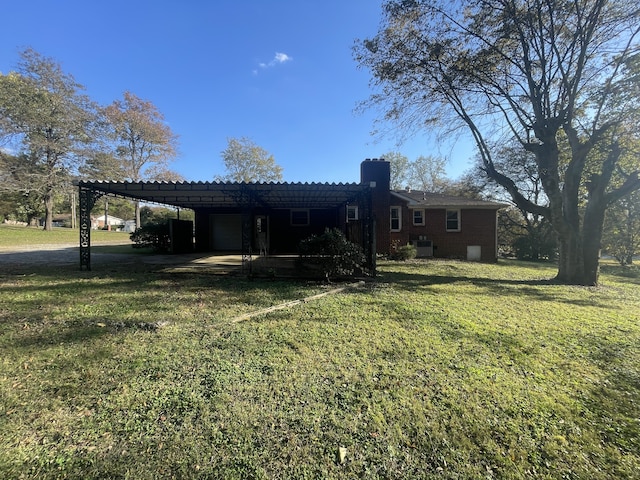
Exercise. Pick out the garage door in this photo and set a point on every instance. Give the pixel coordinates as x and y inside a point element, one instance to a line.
<point>226,232</point>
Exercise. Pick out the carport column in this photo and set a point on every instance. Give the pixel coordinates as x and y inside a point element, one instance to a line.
<point>88,198</point>
<point>247,233</point>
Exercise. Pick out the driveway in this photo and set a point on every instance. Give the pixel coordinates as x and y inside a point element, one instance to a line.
<point>43,255</point>
<point>27,257</point>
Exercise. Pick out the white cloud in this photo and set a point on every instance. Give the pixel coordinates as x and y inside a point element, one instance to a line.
<point>276,60</point>
<point>281,57</point>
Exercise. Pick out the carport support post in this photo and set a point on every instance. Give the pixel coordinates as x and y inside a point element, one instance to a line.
<point>246,241</point>
<point>88,198</point>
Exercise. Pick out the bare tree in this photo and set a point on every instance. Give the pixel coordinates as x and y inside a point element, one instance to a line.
<point>428,174</point>
<point>143,143</point>
<point>400,172</point>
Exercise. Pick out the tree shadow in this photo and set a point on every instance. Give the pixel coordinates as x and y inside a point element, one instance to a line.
<point>535,289</point>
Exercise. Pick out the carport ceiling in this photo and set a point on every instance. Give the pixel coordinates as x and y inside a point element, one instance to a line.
<point>221,194</point>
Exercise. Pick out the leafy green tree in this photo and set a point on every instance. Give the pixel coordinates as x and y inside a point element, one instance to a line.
<point>46,118</point>
<point>20,207</point>
<point>622,229</point>
<point>17,201</point>
<point>163,214</point>
<point>103,165</point>
<point>247,162</point>
<point>143,144</point>
<point>557,76</point>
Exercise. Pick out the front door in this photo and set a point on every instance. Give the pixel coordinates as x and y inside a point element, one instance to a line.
<point>261,234</point>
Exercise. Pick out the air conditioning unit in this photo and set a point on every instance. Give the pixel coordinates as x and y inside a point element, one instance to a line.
<point>424,248</point>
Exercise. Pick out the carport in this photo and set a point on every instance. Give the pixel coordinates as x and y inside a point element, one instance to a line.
<point>260,218</point>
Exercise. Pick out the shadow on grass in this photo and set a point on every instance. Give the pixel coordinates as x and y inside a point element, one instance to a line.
<point>63,305</point>
<point>631,273</point>
<point>62,335</point>
<point>536,289</point>
<point>413,281</point>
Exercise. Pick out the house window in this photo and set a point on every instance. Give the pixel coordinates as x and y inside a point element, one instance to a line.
<point>453,220</point>
<point>300,218</point>
<point>352,213</point>
<point>396,219</point>
<point>418,217</point>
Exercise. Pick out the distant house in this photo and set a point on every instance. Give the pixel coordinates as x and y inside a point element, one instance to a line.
<point>129,226</point>
<point>272,218</point>
<point>98,223</point>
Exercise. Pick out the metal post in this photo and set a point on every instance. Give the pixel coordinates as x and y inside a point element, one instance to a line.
<point>88,198</point>
<point>246,241</point>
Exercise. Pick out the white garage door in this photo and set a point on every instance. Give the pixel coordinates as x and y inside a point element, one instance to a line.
<point>226,232</point>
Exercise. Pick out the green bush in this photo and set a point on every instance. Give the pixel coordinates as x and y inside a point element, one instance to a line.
<point>332,253</point>
<point>405,252</point>
<point>152,235</point>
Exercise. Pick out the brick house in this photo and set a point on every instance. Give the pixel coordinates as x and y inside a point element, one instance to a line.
<point>438,225</point>
<point>272,218</point>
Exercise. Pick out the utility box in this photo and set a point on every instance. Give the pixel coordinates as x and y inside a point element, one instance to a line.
<point>474,253</point>
<point>424,248</point>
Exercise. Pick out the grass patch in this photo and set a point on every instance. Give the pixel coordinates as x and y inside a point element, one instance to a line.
<point>12,235</point>
<point>440,368</point>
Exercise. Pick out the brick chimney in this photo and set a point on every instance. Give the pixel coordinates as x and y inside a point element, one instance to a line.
<point>377,174</point>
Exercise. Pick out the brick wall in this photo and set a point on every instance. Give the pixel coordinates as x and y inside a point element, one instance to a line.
<point>477,227</point>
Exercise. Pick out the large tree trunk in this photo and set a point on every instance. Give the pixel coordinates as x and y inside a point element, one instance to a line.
<point>592,234</point>
<point>592,238</point>
<point>570,259</point>
<point>48,209</point>
<point>579,262</point>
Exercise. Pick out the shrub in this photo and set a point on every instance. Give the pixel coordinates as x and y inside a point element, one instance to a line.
<point>332,253</point>
<point>153,235</point>
<point>404,252</point>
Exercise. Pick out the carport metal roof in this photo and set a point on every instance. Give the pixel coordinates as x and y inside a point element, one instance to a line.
<point>200,195</point>
<point>233,194</point>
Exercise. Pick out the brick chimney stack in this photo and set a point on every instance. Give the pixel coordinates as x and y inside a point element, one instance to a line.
<point>377,174</point>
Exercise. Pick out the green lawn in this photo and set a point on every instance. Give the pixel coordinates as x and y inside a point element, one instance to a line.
<point>437,369</point>
<point>21,236</point>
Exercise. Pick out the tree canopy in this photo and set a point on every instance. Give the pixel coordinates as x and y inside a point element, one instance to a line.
<point>559,77</point>
<point>426,173</point>
<point>247,162</point>
<point>143,144</point>
<point>44,114</point>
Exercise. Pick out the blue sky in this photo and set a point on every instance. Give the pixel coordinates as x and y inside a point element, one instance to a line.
<point>280,72</point>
